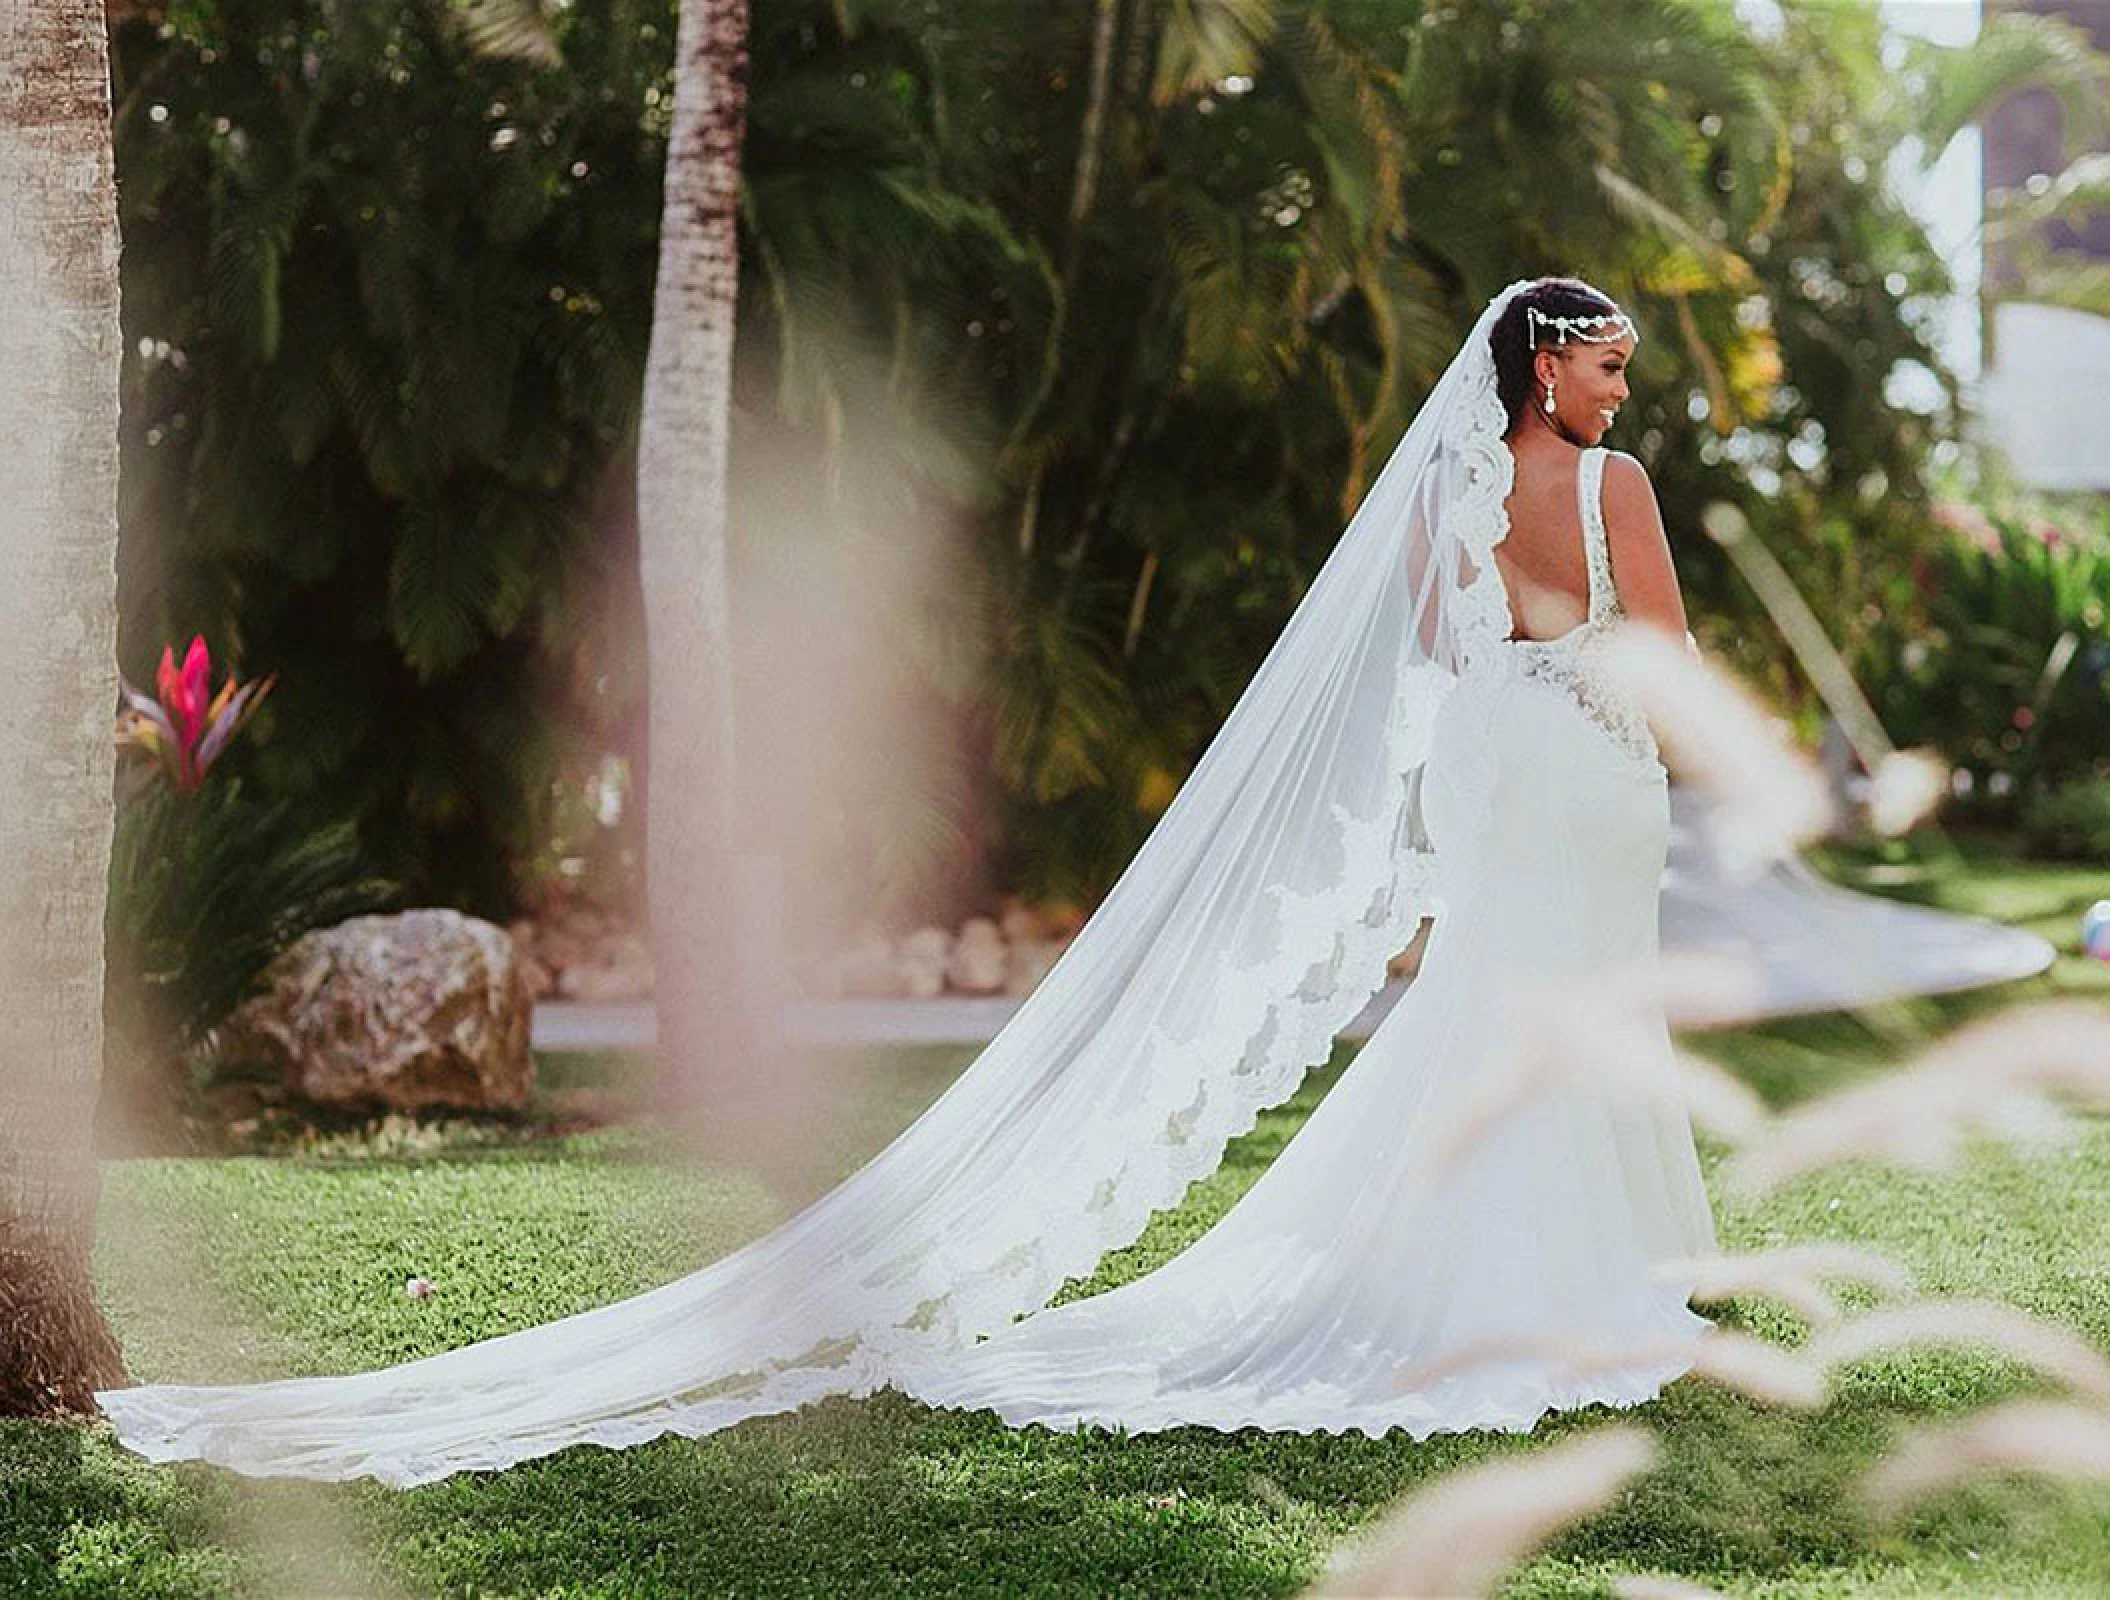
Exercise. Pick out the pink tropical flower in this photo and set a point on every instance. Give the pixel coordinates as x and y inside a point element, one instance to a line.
<point>177,728</point>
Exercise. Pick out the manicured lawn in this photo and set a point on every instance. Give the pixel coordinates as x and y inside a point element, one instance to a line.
<point>223,1268</point>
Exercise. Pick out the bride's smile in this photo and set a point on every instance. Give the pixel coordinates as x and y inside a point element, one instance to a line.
<point>1588,385</point>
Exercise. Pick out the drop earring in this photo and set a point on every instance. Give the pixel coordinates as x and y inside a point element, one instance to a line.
<point>1549,398</point>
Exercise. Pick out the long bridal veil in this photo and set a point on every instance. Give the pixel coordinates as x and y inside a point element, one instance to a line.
<point>1253,924</point>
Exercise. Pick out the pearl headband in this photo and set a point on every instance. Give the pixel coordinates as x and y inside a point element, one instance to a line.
<point>1602,329</point>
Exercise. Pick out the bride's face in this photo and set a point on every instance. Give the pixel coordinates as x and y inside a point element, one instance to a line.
<point>1589,386</point>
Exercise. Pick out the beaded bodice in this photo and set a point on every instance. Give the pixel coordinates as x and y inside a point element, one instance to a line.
<point>1569,662</point>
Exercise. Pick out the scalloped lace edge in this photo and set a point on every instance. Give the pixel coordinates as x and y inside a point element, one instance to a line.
<point>1360,921</point>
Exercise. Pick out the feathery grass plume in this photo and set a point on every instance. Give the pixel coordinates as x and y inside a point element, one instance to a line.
<point>1751,1367</point>
<point>2001,1076</point>
<point>2044,1436</point>
<point>1605,1037</point>
<point>1767,796</point>
<point>1792,1275</point>
<point>1461,1533</point>
<point>1904,789</point>
<point>1760,1371</point>
<point>1718,1101</point>
<point>1657,1586</point>
<point>1730,1360</point>
<point>2045,1347</point>
<point>1706,984</point>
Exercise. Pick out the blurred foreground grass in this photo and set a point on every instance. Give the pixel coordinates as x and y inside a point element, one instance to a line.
<point>217,1269</point>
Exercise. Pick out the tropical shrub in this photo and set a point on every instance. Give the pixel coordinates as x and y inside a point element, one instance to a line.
<point>386,302</point>
<point>208,881</point>
<point>2009,674</point>
<point>387,299</point>
<point>2071,818</point>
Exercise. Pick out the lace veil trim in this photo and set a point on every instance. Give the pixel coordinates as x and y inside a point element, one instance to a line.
<point>1253,925</point>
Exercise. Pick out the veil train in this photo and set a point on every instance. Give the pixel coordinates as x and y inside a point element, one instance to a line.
<point>1253,924</point>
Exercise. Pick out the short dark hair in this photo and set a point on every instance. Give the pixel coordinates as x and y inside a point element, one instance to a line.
<point>1511,340</point>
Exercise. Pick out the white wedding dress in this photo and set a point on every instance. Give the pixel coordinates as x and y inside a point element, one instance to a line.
<point>1396,756</point>
<point>1346,1268</point>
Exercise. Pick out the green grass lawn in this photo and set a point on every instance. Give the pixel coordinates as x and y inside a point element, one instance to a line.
<point>236,1267</point>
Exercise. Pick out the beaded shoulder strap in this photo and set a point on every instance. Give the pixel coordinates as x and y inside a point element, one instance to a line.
<point>1597,545</point>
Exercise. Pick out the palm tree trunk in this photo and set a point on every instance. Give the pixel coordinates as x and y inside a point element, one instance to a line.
<point>1084,189</point>
<point>58,611</point>
<point>692,853</point>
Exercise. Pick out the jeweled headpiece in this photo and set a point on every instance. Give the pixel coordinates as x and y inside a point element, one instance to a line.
<point>1601,329</point>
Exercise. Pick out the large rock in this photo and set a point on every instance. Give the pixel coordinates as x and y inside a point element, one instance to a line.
<point>422,1008</point>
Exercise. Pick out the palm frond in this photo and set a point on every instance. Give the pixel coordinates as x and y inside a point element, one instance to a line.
<point>1949,87</point>
<point>1206,41</point>
<point>2078,194</point>
<point>516,30</point>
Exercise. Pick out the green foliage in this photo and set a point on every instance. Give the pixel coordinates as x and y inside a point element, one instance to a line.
<point>388,295</point>
<point>386,302</point>
<point>1813,428</point>
<point>1949,87</point>
<point>2010,674</point>
<point>1135,334</point>
<point>2071,819</point>
<point>1275,265</point>
<point>206,888</point>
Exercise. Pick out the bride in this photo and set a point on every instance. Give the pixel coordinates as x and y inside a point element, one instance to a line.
<point>1432,735</point>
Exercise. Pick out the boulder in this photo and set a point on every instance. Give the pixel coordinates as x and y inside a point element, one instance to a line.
<point>418,1009</point>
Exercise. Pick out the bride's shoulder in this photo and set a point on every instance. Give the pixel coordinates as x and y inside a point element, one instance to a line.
<point>1623,470</point>
<point>1629,498</point>
<point>1643,574</point>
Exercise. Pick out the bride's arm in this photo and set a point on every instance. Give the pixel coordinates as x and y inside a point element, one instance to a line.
<point>1642,572</point>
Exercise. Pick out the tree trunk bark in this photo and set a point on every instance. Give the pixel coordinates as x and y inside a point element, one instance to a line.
<point>1084,189</point>
<point>708,1019</point>
<point>58,542</point>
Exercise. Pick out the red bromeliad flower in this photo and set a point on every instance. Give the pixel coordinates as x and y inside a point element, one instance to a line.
<point>179,731</point>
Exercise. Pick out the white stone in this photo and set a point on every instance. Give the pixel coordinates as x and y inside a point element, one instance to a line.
<point>979,958</point>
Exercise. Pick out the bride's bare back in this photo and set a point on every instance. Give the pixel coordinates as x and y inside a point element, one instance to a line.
<point>1541,558</point>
